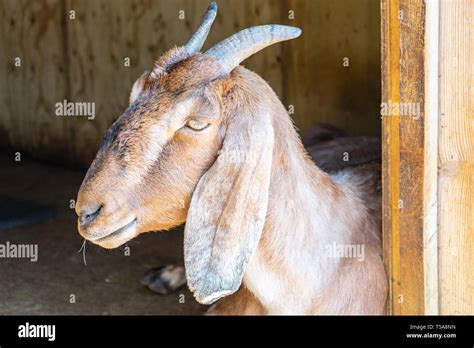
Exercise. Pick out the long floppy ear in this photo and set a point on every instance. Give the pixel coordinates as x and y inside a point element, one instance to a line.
<point>228,209</point>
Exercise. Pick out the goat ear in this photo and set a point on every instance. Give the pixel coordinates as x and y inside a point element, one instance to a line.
<point>138,87</point>
<point>228,209</point>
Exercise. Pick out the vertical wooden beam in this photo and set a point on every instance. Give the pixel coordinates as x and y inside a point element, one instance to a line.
<point>403,27</point>
<point>430,208</point>
<point>456,158</point>
<point>390,33</point>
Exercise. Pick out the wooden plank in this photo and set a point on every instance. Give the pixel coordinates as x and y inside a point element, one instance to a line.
<point>390,33</point>
<point>403,141</point>
<point>430,174</point>
<point>412,158</point>
<point>81,59</point>
<point>456,158</point>
<point>319,86</point>
<point>143,31</point>
<point>32,31</point>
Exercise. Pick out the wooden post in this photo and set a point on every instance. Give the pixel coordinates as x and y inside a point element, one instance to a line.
<point>456,158</point>
<point>403,29</point>
<point>430,171</point>
<point>428,161</point>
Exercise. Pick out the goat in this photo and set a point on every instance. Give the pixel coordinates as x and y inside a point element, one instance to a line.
<point>207,142</point>
<point>330,147</point>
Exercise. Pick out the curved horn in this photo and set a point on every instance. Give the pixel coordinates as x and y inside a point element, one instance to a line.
<point>196,41</point>
<point>238,47</point>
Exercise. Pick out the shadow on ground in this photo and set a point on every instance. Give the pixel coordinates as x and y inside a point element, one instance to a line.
<point>109,284</point>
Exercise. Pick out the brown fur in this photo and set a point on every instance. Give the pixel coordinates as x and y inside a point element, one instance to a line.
<point>243,302</point>
<point>158,189</point>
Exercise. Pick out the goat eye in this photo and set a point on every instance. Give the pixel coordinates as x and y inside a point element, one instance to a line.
<point>196,125</point>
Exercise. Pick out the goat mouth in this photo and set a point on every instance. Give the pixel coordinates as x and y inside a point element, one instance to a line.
<point>126,229</point>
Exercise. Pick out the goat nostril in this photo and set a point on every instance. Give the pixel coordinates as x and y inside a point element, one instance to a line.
<point>88,217</point>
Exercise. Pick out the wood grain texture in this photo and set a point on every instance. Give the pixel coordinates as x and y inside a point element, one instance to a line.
<point>32,32</point>
<point>81,60</point>
<point>456,158</point>
<point>412,158</point>
<point>318,84</point>
<point>403,141</point>
<point>431,125</point>
<point>390,33</point>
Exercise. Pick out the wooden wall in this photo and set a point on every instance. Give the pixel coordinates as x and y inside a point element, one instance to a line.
<point>82,59</point>
<point>456,158</point>
<point>403,151</point>
<point>428,163</point>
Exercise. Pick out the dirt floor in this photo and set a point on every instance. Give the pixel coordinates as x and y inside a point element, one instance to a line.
<point>109,284</point>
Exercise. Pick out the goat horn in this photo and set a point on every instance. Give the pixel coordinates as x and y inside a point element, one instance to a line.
<point>238,47</point>
<point>196,41</point>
